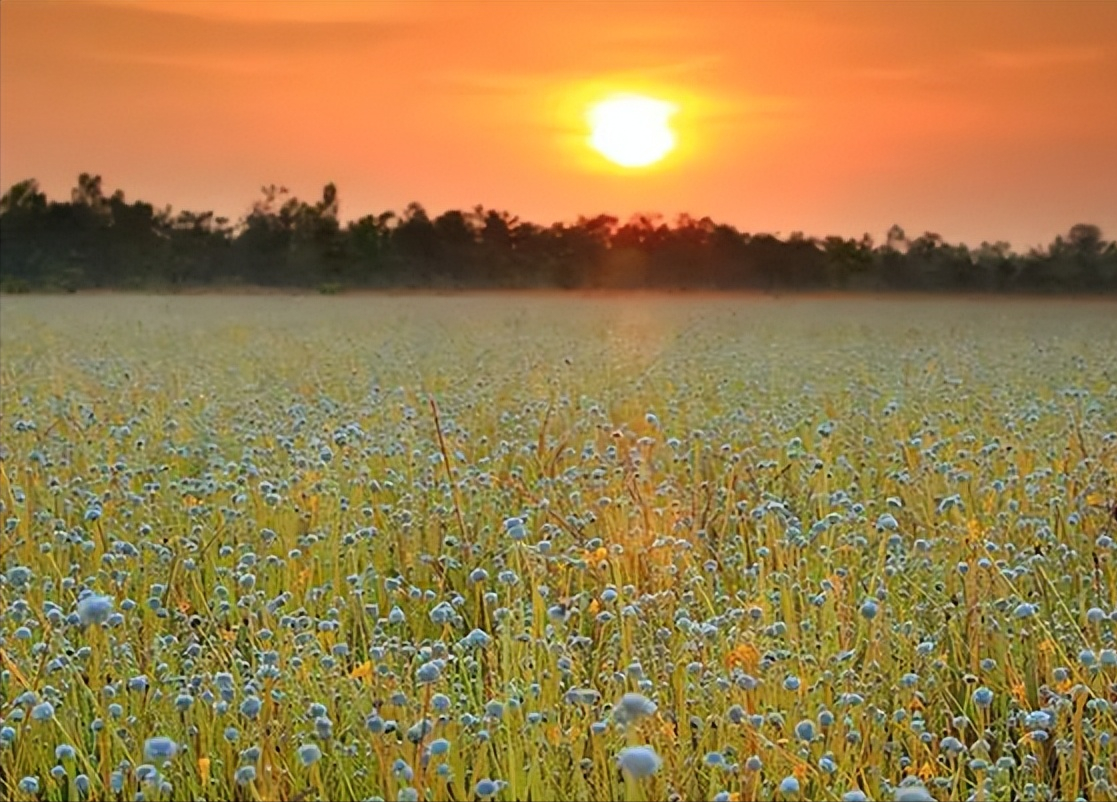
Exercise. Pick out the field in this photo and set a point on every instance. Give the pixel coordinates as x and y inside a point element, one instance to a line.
<point>544,547</point>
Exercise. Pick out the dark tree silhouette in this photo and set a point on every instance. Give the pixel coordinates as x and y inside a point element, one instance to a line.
<point>95,239</point>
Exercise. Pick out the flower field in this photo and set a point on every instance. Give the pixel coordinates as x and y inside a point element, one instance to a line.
<point>545,547</point>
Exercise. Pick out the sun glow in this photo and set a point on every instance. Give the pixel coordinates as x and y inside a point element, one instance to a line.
<point>631,130</point>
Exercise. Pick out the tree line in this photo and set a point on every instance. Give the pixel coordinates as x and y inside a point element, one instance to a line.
<point>100,240</point>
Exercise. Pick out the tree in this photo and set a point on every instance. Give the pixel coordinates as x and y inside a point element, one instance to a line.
<point>24,198</point>
<point>98,238</point>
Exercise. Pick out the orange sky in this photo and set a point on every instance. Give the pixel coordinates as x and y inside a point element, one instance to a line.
<point>975,120</point>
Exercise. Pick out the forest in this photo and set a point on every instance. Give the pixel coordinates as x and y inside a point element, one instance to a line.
<point>100,240</point>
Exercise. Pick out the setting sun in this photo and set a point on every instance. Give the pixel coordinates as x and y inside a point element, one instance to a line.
<point>632,130</point>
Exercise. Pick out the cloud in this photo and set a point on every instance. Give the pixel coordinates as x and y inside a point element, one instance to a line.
<point>530,80</point>
<point>1042,57</point>
<point>294,11</point>
<point>165,34</point>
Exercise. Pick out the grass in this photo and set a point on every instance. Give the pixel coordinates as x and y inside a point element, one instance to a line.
<point>315,499</point>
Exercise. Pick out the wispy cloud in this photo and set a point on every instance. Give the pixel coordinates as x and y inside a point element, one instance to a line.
<point>1043,57</point>
<point>167,33</point>
<point>496,82</point>
<point>215,67</point>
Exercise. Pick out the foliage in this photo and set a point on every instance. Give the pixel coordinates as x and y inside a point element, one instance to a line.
<point>94,241</point>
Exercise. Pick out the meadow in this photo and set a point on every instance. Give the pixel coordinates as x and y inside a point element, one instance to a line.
<point>556,547</point>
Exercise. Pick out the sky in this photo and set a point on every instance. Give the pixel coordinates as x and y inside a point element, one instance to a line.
<point>974,120</point>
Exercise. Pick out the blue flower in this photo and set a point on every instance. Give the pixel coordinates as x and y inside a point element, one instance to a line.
<point>869,609</point>
<point>580,696</point>
<point>94,609</point>
<point>44,711</point>
<point>789,786</point>
<point>639,762</point>
<point>487,788</point>
<point>983,697</point>
<point>402,770</point>
<point>439,746</point>
<point>514,528</point>
<point>887,522</point>
<point>160,748</point>
<point>634,706</point>
<point>804,730</point>
<point>913,793</point>
<point>29,785</point>
<point>250,707</point>
<point>714,759</point>
<point>429,672</point>
<point>245,775</point>
<point>952,745</point>
<point>478,638</point>
<point>440,702</point>
<point>183,702</point>
<point>309,754</point>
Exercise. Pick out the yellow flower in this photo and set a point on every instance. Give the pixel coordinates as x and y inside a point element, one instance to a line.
<point>203,769</point>
<point>744,655</point>
<point>363,671</point>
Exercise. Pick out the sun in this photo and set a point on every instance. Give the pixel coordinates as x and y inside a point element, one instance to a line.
<point>631,130</point>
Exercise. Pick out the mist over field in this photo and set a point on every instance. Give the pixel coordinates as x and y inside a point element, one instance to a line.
<point>101,240</point>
